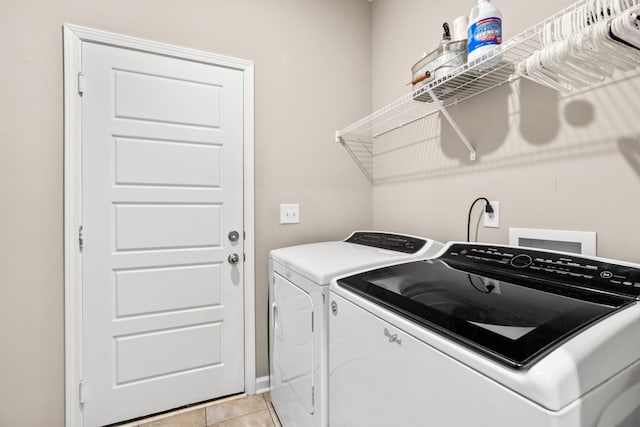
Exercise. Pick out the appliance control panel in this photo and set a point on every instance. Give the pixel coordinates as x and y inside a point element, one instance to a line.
<point>392,242</point>
<point>562,268</point>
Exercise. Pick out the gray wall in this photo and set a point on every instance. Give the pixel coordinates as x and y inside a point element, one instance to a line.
<point>553,160</point>
<point>312,62</point>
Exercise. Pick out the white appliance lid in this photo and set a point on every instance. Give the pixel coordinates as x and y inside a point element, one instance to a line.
<point>320,262</point>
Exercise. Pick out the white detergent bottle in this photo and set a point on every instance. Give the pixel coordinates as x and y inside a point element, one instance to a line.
<point>484,34</point>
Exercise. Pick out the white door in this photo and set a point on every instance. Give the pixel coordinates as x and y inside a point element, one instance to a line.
<point>292,356</point>
<point>162,165</point>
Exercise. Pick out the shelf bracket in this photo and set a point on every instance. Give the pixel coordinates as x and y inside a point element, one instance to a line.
<point>454,125</point>
<point>367,173</point>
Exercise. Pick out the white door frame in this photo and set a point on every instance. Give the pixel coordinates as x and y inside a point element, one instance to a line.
<point>74,36</point>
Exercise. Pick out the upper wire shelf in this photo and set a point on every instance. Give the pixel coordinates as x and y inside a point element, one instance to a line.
<point>436,96</point>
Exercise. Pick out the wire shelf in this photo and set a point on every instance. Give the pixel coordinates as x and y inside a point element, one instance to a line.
<point>436,96</point>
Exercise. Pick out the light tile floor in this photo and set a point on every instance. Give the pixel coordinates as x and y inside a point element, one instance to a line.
<point>235,411</point>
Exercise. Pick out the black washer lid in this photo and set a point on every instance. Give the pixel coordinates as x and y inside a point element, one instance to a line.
<point>515,321</point>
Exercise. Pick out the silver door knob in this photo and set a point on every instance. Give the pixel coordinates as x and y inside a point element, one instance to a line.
<point>234,236</point>
<point>233,258</point>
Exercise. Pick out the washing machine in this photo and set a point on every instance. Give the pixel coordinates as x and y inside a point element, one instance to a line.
<point>487,335</point>
<point>298,320</point>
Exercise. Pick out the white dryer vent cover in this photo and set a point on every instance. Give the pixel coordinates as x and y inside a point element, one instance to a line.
<point>578,242</point>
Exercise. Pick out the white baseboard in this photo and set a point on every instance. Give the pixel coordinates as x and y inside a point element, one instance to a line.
<point>262,384</point>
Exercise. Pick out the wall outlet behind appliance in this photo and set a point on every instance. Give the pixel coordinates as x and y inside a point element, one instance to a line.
<point>492,220</point>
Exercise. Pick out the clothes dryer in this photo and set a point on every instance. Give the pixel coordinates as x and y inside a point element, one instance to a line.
<point>298,324</point>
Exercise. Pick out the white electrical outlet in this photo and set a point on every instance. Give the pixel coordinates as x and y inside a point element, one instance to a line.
<point>492,220</point>
<point>289,213</point>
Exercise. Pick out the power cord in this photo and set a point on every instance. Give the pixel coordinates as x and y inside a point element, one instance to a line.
<point>487,208</point>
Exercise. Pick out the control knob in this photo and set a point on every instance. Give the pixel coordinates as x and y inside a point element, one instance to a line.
<point>521,261</point>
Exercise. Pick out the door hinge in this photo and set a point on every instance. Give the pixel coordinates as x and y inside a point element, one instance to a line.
<point>244,235</point>
<point>312,323</point>
<point>80,238</point>
<point>82,391</point>
<point>313,396</point>
<point>81,83</point>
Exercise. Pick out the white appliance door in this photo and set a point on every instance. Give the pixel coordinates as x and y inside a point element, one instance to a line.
<point>162,188</point>
<point>293,348</point>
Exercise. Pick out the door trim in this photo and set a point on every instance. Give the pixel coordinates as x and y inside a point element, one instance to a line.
<point>74,36</point>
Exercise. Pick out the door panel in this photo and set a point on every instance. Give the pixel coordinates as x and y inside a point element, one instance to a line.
<point>162,186</point>
<point>166,99</point>
<point>174,163</point>
<point>165,226</point>
<point>154,290</point>
<point>154,354</point>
